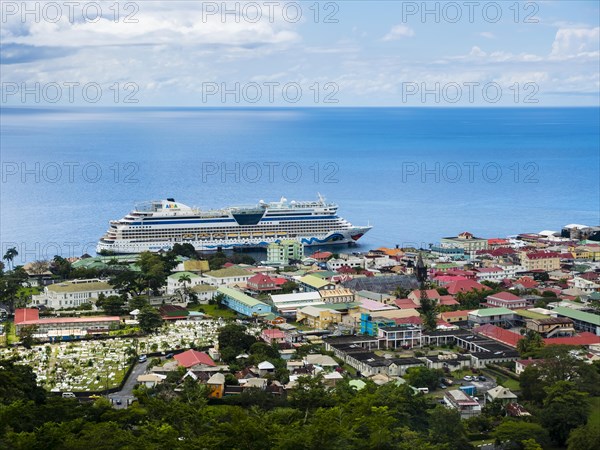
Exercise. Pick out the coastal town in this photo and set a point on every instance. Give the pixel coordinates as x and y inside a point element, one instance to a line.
<point>501,333</point>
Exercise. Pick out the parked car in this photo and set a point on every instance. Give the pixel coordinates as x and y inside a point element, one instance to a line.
<point>482,378</point>
<point>443,386</point>
<point>468,378</point>
<point>169,355</point>
<point>68,395</point>
<point>447,381</point>
<point>118,401</point>
<point>142,358</point>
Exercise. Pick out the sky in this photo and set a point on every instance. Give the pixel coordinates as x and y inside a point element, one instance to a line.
<point>343,54</point>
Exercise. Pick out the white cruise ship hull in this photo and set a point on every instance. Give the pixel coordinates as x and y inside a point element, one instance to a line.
<point>163,224</point>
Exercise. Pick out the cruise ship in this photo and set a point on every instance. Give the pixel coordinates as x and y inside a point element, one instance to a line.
<point>158,225</point>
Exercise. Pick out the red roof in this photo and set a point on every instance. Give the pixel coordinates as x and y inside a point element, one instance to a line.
<point>415,320</point>
<point>262,282</point>
<point>499,334</point>
<point>273,333</point>
<point>280,281</point>
<point>542,255</point>
<point>527,282</point>
<point>585,338</point>
<point>505,296</point>
<point>26,314</point>
<point>465,286</point>
<point>497,241</point>
<point>444,279</point>
<point>431,293</point>
<point>321,255</point>
<point>447,300</point>
<point>191,358</point>
<point>405,303</point>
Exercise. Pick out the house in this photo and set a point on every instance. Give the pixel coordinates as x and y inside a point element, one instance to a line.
<point>265,368</point>
<point>339,295</point>
<point>280,253</point>
<point>501,394</point>
<point>582,321</point>
<point>495,316</point>
<point>463,403</point>
<point>151,380</point>
<point>193,358</point>
<point>273,336</point>
<point>311,283</point>
<point>174,283</point>
<point>584,285</point>
<point>499,334</point>
<point>455,316</point>
<point>319,318</point>
<point>370,323</point>
<point>204,292</point>
<point>324,361</point>
<point>551,326</point>
<point>522,364</point>
<point>173,312</point>
<point>466,242</point>
<point>495,274</point>
<point>288,304</point>
<point>216,384</point>
<point>261,283</point>
<point>450,361</point>
<point>72,294</point>
<point>505,300</point>
<point>540,260</point>
<point>62,328</point>
<point>454,287</point>
<point>321,256</point>
<point>227,276</point>
<point>243,304</point>
<point>400,335</point>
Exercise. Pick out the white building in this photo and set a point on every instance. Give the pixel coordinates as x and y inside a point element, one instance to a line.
<point>288,304</point>
<point>227,276</point>
<point>174,282</point>
<point>463,403</point>
<point>349,261</point>
<point>587,286</point>
<point>71,294</point>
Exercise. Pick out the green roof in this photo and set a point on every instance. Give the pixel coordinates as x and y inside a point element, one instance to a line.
<point>240,297</point>
<point>530,314</point>
<point>486,312</point>
<point>577,315</point>
<point>204,288</point>
<point>178,275</point>
<point>314,281</point>
<point>338,306</point>
<point>324,274</point>
<point>69,286</point>
<point>232,271</point>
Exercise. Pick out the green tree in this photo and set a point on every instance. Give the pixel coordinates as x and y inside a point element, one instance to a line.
<point>517,432</point>
<point>531,344</point>
<point>111,305</point>
<point>10,286</point>
<point>428,310</point>
<point>150,319</point>
<point>585,437</point>
<point>565,408</point>
<point>420,377</point>
<point>26,335</point>
<point>235,338</point>
<point>446,427</point>
<point>138,302</point>
<point>10,255</point>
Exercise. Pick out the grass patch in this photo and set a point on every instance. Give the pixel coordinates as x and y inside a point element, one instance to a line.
<point>595,412</point>
<point>214,311</point>
<point>11,333</point>
<point>503,380</point>
<point>29,290</point>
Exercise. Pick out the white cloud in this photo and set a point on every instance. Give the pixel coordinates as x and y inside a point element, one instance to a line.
<point>576,43</point>
<point>399,32</point>
<point>487,35</point>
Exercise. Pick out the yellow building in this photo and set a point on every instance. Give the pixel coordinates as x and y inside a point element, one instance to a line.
<point>541,260</point>
<point>319,318</point>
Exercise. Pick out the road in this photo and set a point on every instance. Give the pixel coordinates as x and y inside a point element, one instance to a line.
<point>126,394</point>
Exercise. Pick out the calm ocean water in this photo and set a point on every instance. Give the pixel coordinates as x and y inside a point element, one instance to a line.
<point>416,175</point>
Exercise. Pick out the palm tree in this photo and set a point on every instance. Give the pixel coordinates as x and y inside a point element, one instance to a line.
<point>10,254</point>
<point>184,279</point>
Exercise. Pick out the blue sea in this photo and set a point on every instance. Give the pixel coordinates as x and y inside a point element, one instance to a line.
<point>415,174</point>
